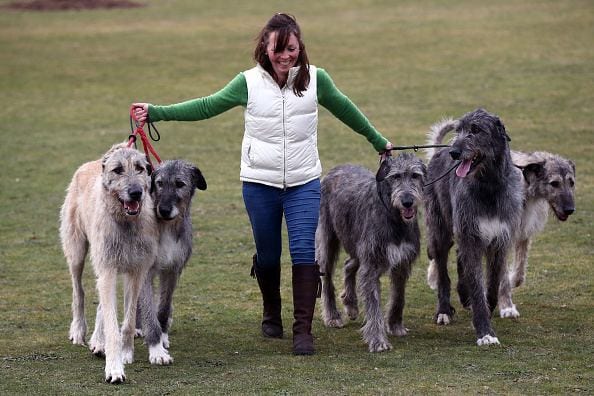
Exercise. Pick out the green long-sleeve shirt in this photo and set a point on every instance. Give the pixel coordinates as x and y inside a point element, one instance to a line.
<point>235,93</point>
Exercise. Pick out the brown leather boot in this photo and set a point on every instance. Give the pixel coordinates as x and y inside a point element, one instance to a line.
<point>269,282</point>
<point>306,288</point>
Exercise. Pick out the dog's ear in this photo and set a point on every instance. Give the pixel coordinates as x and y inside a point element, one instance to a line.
<point>384,169</point>
<point>535,169</point>
<point>502,130</point>
<point>153,176</point>
<point>198,180</point>
<point>149,169</point>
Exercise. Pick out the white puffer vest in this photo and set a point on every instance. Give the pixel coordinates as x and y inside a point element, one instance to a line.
<point>280,142</point>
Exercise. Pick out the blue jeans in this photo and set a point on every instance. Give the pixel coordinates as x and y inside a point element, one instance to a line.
<point>301,207</point>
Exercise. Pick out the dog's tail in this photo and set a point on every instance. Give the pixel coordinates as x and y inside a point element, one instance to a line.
<point>437,133</point>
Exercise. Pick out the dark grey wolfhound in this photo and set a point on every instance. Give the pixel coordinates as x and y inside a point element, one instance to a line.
<point>478,207</point>
<point>549,182</point>
<point>374,219</point>
<point>172,188</point>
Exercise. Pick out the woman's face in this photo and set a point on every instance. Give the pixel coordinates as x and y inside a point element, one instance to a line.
<point>284,60</point>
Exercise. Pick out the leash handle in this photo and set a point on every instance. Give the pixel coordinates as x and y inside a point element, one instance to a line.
<point>139,131</point>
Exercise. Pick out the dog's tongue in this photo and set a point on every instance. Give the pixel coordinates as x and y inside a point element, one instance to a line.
<point>132,206</point>
<point>463,168</point>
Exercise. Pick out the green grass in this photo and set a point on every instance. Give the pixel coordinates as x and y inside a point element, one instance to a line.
<point>67,79</point>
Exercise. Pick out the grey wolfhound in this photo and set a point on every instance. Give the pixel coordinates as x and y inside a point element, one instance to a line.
<point>478,207</point>
<point>173,185</point>
<point>374,219</point>
<point>549,182</point>
<point>109,211</point>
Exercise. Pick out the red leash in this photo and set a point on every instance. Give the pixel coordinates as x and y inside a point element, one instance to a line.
<point>139,131</point>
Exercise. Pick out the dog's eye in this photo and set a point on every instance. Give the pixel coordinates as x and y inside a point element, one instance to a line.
<point>180,184</point>
<point>475,129</point>
<point>396,176</point>
<point>571,183</point>
<point>119,170</point>
<point>159,183</point>
<point>139,169</point>
<point>555,184</point>
<point>416,176</point>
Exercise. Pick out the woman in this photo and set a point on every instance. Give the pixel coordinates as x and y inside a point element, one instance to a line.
<point>280,166</point>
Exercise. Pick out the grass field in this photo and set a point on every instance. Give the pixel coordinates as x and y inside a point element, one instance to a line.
<point>67,79</point>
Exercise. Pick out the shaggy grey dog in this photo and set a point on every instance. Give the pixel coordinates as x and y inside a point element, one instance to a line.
<point>549,182</point>
<point>173,186</point>
<point>374,219</point>
<point>109,211</point>
<point>478,207</point>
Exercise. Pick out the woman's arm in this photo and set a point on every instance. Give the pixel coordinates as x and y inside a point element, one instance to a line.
<point>232,95</point>
<point>342,108</point>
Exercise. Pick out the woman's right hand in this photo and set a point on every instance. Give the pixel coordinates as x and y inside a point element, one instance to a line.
<point>140,111</point>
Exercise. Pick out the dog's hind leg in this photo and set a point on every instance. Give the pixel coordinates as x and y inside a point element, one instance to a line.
<point>374,329</point>
<point>398,279</point>
<point>463,292</point>
<point>76,252</point>
<point>97,343</point>
<point>327,247</point>
<point>445,311</point>
<point>349,295</point>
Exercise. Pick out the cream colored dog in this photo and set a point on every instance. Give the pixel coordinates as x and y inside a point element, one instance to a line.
<point>108,209</point>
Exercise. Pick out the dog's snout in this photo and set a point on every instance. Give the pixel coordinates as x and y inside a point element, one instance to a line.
<point>165,211</point>
<point>455,154</point>
<point>568,211</point>
<point>407,201</point>
<point>135,193</point>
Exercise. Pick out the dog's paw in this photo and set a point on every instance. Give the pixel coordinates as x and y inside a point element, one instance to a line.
<point>77,333</point>
<point>487,340</point>
<point>379,345</point>
<point>334,322</point>
<point>127,355</point>
<point>97,349</point>
<point>159,355</point>
<point>398,330</point>
<point>114,373</point>
<point>138,333</point>
<point>351,311</point>
<point>165,340</point>
<point>443,319</point>
<point>509,312</point>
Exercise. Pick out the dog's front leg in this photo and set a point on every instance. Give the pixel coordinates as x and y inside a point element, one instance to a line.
<point>374,330</point>
<point>398,279</point>
<point>151,327</point>
<point>114,365</point>
<point>132,283</point>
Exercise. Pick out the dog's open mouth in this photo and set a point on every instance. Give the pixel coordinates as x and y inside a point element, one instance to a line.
<point>466,166</point>
<point>561,215</point>
<point>132,208</point>
<point>408,213</point>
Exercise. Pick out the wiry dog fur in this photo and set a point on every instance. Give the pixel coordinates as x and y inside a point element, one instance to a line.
<point>108,210</point>
<point>173,186</point>
<point>478,207</point>
<point>549,182</point>
<point>374,218</point>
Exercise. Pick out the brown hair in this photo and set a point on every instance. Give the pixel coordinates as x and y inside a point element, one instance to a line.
<point>284,25</point>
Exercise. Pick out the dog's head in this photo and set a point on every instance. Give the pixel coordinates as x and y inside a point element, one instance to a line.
<point>126,177</point>
<point>480,139</point>
<point>550,177</point>
<point>173,186</point>
<point>400,183</point>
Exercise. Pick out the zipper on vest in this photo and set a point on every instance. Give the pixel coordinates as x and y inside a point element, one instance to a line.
<point>284,143</point>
